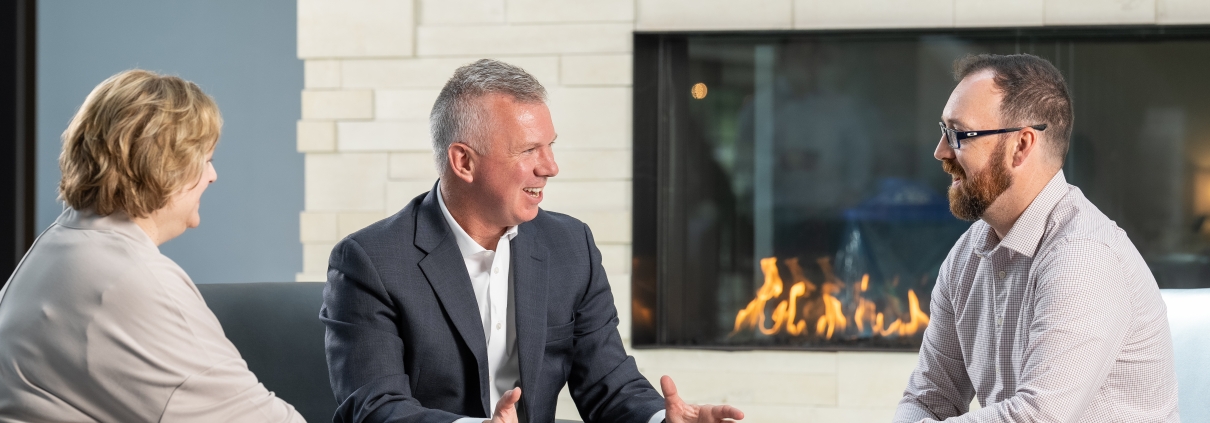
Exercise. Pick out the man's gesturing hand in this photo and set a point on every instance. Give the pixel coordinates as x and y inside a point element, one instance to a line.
<point>506,408</point>
<point>679,412</point>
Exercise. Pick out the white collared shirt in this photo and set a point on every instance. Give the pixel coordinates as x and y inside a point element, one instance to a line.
<point>489,271</point>
<point>492,281</point>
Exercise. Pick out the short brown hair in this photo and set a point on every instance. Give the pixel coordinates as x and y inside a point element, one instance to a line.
<point>1034,93</point>
<point>138,138</point>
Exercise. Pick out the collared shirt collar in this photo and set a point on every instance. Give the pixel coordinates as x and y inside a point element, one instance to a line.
<point>1027,232</point>
<point>466,244</point>
<point>118,222</point>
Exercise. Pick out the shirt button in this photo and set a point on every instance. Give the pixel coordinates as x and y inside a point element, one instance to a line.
<point>497,326</point>
<point>497,270</point>
<point>1001,274</point>
<point>999,321</point>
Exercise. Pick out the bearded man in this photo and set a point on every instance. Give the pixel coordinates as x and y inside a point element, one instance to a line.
<point>1043,310</point>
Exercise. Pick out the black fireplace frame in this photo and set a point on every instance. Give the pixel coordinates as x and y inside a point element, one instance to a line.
<point>655,74</point>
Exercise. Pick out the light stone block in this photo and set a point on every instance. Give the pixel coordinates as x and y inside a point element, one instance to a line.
<point>778,413</point>
<point>316,136</point>
<point>573,196</point>
<point>999,13</point>
<point>310,277</point>
<point>767,361</point>
<point>355,28</point>
<point>344,182</point>
<point>347,223</point>
<point>817,14</point>
<point>318,73</point>
<point>661,15</point>
<point>317,226</point>
<point>594,164</point>
<point>883,413</point>
<point>610,227</point>
<point>344,104</point>
<point>599,69</point>
<point>711,386</point>
<point>563,11</point>
<point>1100,12</point>
<point>524,39</point>
<point>873,379</point>
<point>399,193</point>
<point>615,258</point>
<point>592,118</point>
<point>1170,12</point>
<point>412,104</point>
<point>461,12</point>
<point>433,73</point>
<point>383,136</point>
<point>413,166</point>
<point>315,256</point>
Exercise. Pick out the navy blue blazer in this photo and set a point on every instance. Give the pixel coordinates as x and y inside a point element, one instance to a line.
<point>405,342</point>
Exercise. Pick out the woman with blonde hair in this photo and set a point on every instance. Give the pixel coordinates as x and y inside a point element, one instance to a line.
<point>95,323</point>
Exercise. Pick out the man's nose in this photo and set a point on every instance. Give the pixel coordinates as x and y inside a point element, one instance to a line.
<point>943,150</point>
<point>546,164</point>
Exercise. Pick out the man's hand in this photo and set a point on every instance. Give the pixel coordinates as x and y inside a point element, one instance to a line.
<point>506,408</point>
<point>679,412</point>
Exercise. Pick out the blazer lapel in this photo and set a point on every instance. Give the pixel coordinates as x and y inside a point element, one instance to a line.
<point>529,289</point>
<point>446,273</point>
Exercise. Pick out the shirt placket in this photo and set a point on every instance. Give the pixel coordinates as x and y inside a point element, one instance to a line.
<point>497,287</point>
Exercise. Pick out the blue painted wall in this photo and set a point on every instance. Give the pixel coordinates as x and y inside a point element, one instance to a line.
<point>240,52</point>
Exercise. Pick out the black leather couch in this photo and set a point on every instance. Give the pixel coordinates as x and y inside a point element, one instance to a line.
<point>276,328</point>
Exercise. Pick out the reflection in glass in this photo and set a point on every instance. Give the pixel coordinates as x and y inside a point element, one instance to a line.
<point>799,204</point>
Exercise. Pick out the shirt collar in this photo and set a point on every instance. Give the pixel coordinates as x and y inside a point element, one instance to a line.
<point>466,244</point>
<point>1027,231</point>
<point>118,222</point>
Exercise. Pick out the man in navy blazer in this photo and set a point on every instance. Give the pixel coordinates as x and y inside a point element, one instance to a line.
<point>472,298</point>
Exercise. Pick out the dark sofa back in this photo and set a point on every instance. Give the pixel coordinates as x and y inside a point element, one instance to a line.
<point>277,330</point>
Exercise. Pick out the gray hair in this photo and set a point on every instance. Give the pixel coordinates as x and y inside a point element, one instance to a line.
<point>457,115</point>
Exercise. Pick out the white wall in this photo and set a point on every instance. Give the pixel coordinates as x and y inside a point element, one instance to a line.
<point>374,67</point>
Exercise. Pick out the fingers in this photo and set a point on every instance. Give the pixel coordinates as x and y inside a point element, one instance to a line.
<point>509,399</point>
<point>728,412</point>
<point>667,386</point>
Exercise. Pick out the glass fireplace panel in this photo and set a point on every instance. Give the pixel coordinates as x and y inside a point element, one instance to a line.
<point>786,195</point>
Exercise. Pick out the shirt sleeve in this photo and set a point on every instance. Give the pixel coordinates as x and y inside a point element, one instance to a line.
<point>939,386</point>
<point>1082,313</point>
<point>165,321</point>
<point>658,417</point>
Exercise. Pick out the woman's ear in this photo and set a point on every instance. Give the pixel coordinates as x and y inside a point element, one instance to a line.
<point>462,161</point>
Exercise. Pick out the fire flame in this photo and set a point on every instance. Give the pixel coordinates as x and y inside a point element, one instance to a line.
<point>832,320</point>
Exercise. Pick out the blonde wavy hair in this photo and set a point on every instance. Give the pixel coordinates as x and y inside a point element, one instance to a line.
<point>139,138</point>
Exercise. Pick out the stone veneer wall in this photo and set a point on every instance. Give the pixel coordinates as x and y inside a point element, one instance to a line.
<point>374,67</point>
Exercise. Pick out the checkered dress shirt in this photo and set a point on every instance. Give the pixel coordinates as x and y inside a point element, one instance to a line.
<point>1061,321</point>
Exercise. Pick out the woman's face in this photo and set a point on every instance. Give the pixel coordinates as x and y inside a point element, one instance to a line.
<point>182,210</point>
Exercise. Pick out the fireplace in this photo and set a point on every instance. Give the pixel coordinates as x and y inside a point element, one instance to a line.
<point>786,197</point>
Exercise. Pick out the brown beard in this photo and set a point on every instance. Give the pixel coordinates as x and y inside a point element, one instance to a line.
<point>970,199</point>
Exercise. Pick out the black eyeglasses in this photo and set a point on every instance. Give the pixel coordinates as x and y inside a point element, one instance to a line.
<point>954,137</point>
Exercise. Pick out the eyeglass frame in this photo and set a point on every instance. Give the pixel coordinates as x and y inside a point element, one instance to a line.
<point>954,137</point>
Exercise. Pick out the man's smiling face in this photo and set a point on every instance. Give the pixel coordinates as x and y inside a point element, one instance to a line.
<point>980,167</point>
<point>512,173</point>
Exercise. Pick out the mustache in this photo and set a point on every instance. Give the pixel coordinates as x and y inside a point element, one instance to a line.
<point>951,167</point>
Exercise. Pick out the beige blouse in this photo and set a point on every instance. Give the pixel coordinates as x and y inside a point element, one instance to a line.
<point>97,325</point>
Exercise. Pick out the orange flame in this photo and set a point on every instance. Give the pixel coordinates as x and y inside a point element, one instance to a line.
<point>833,320</point>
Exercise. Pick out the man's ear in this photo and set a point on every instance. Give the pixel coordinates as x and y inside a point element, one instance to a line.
<point>462,161</point>
<point>1028,143</point>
